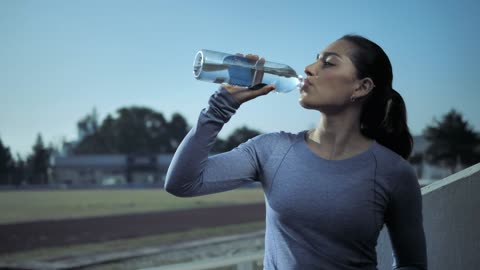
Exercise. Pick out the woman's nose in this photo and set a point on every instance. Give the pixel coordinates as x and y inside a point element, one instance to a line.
<point>308,71</point>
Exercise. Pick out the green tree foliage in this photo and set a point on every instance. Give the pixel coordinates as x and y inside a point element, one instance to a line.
<point>135,130</point>
<point>219,146</point>
<point>140,130</point>
<point>88,125</point>
<point>7,165</point>
<point>452,141</point>
<point>20,174</point>
<point>237,137</point>
<point>38,162</point>
<point>178,128</point>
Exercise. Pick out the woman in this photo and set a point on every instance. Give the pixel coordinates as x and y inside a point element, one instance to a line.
<point>329,190</point>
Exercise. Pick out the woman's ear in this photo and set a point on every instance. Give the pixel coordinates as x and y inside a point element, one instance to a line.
<point>365,86</point>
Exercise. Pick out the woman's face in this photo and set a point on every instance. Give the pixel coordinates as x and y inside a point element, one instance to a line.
<point>331,79</point>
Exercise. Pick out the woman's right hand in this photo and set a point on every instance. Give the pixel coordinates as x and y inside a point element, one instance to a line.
<point>244,94</point>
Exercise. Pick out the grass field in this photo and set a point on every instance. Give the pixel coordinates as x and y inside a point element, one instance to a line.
<point>21,206</point>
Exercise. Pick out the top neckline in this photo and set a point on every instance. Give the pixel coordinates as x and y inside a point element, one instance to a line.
<point>358,156</point>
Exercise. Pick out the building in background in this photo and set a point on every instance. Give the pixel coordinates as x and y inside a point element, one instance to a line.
<point>78,170</point>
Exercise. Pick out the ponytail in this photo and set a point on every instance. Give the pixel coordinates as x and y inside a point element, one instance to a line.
<point>384,116</point>
<point>384,119</point>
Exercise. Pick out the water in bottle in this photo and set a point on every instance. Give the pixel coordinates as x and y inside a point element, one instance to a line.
<point>217,67</point>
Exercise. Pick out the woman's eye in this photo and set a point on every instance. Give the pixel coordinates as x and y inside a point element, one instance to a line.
<point>327,64</point>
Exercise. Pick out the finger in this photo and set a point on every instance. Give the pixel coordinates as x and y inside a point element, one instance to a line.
<point>265,90</point>
<point>233,88</point>
<point>257,86</point>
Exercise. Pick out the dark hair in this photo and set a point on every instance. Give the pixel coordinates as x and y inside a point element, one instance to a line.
<point>384,116</point>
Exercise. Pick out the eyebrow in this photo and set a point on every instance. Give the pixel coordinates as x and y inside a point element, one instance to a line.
<point>327,54</point>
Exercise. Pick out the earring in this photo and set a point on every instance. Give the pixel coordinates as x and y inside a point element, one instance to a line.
<point>352,99</point>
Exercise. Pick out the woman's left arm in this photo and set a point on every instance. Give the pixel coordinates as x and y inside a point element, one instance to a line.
<point>404,222</point>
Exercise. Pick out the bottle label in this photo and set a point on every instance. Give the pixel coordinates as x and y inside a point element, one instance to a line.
<point>240,70</point>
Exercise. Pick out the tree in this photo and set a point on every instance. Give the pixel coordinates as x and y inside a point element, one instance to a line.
<point>238,136</point>
<point>140,130</point>
<point>102,141</point>
<point>219,146</point>
<point>136,130</point>
<point>7,165</point>
<point>88,125</point>
<point>38,162</point>
<point>452,142</point>
<point>177,129</point>
<point>20,171</point>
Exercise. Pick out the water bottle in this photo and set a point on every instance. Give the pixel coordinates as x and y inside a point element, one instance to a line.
<point>218,67</point>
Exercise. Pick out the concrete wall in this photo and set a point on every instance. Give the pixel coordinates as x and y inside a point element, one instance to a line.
<point>451,218</point>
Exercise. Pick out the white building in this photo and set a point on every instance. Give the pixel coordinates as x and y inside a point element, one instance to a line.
<point>109,169</point>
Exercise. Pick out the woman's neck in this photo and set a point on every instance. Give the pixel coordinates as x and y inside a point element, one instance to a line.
<point>338,137</point>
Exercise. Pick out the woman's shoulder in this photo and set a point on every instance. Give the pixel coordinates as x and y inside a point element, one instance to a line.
<point>269,143</point>
<point>279,137</point>
<point>387,156</point>
<point>269,147</point>
<point>392,165</point>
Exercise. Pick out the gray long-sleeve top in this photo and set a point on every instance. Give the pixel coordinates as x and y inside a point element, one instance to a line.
<point>320,214</point>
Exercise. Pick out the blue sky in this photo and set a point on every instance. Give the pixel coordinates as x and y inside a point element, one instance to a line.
<point>60,59</point>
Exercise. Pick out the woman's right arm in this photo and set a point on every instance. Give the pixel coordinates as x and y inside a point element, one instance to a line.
<point>404,220</point>
<point>192,172</point>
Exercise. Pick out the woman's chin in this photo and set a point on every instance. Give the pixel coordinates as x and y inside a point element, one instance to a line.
<point>304,103</point>
<point>311,104</point>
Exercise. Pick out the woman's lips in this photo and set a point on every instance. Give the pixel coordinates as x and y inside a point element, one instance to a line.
<point>306,84</point>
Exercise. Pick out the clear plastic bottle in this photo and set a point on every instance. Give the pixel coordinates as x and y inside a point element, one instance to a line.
<point>218,67</point>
